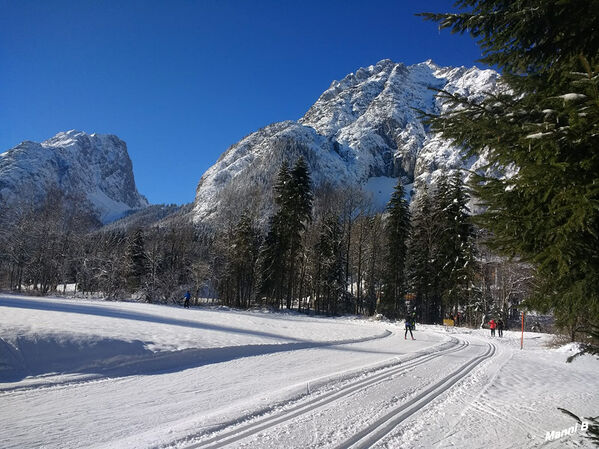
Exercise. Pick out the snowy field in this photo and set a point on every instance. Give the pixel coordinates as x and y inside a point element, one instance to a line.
<point>76,373</point>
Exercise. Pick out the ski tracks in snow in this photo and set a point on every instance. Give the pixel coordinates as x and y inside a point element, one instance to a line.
<point>235,433</point>
<point>384,425</point>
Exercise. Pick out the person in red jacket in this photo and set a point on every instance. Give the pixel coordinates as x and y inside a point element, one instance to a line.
<point>492,325</point>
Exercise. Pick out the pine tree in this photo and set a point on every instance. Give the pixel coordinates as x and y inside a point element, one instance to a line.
<point>243,257</point>
<point>541,128</point>
<point>397,229</point>
<point>299,214</point>
<point>272,263</point>
<point>281,249</point>
<point>422,261</point>
<point>444,245</point>
<point>282,185</point>
<point>329,265</point>
<point>456,252</point>
<point>441,250</point>
<point>373,262</point>
<point>301,194</point>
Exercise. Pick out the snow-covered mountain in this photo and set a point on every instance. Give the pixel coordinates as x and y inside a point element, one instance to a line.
<point>364,129</point>
<point>156,215</point>
<point>95,167</point>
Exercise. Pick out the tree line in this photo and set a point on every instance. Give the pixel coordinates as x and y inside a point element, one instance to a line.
<point>324,250</point>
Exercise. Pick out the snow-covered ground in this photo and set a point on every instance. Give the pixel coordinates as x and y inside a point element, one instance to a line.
<point>77,373</point>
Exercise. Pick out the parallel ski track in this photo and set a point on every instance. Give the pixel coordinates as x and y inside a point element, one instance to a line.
<point>383,426</point>
<point>241,432</point>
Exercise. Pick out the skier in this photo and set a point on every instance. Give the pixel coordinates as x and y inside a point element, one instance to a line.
<point>492,325</point>
<point>500,327</point>
<point>409,326</point>
<point>187,297</point>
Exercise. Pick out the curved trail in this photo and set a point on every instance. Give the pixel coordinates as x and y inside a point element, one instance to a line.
<point>169,361</point>
<point>379,375</point>
<point>376,431</point>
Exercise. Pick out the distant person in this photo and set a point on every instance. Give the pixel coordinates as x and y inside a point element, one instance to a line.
<point>409,327</point>
<point>492,325</point>
<point>500,327</point>
<point>187,298</point>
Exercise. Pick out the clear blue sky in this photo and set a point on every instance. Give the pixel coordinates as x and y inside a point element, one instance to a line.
<point>180,81</point>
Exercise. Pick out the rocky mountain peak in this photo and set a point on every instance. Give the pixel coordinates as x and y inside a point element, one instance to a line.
<point>365,129</point>
<point>94,166</point>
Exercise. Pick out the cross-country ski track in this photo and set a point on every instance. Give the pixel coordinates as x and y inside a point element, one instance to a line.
<point>377,430</point>
<point>81,373</point>
<point>305,406</point>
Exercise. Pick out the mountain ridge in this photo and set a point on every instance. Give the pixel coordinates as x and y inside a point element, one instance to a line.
<point>93,166</point>
<point>362,127</point>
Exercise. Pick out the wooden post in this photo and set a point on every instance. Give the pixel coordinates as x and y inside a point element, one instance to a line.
<point>522,337</point>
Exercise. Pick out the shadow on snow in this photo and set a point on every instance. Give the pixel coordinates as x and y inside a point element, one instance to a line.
<point>109,357</point>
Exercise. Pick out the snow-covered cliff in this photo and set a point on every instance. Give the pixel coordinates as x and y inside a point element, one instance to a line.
<point>364,129</point>
<point>95,167</point>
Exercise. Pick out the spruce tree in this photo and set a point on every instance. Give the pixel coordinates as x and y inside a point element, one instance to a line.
<point>539,134</point>
<point>422,262</point>
<point>443,248</point>
<point>237,284</point>
<point>397,229</point>
<point>272,265</point>
<point>329,265</point>
<point>373,262</point>
<point>301,194</point>
<point>457,247</point>
<point>299,213</point>
<point>281,249</point>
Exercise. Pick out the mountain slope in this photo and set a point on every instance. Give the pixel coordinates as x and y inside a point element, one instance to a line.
<point>362,128</point>
<point>95,167</point>
<point>155,215</point>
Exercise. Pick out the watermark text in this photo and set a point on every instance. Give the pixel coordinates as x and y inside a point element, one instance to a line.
<point>556,434</point>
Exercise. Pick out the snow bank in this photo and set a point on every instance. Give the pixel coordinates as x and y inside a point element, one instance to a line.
<point>43,336</point>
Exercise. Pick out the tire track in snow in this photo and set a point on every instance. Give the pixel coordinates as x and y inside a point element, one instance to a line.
<point>380,374</point>
<point>376,431</point>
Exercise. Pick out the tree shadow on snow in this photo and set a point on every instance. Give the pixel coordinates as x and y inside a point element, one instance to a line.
<point>99,356</point>
<point>108,357</point>
<point>96,310</point>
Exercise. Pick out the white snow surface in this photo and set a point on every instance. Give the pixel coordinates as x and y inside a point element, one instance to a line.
<point>368,125</point>
<point>95,167</point>
<point>76,373</point>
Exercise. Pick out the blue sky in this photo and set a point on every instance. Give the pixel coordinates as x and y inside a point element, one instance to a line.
<point>181,81</point>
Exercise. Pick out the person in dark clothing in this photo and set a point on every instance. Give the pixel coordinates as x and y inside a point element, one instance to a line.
<point>500,327</point>
<point>409,327</point>
<point>187,298</point>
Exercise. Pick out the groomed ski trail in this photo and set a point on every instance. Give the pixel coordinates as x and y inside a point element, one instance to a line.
<point>238,433</point>
<point>378,430</point>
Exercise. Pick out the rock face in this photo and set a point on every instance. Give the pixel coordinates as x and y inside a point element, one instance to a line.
<point>364,129</point>
<point>94,167</point>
